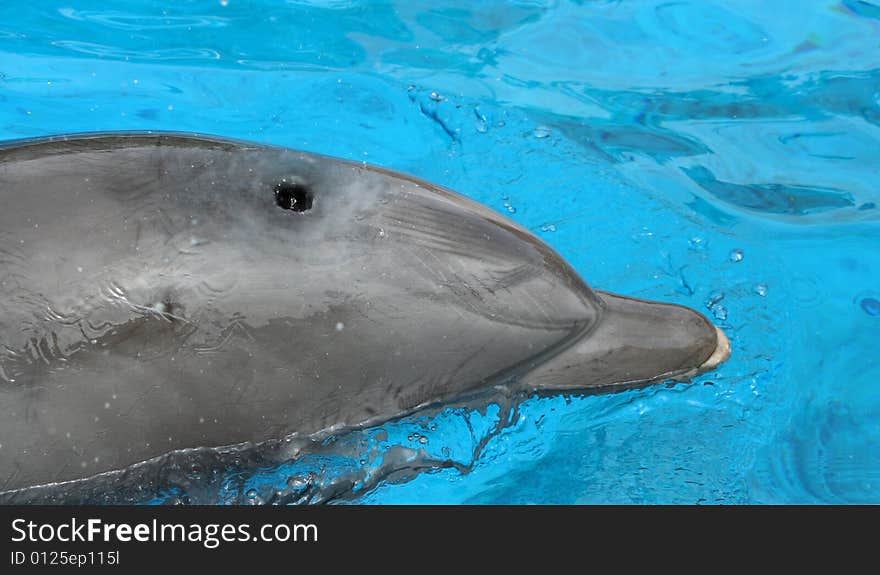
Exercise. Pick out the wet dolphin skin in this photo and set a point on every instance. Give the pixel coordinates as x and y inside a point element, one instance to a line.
<point>164,291</point>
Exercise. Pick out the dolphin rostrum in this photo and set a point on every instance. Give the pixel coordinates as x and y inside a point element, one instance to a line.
<point>162,292</point>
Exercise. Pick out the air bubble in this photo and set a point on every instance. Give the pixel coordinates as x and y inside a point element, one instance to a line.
<point>541,132</point>
<point>761,289</point>
<point>736,255</point>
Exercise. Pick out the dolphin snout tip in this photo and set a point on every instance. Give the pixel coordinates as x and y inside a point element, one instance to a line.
<point>719,356</point>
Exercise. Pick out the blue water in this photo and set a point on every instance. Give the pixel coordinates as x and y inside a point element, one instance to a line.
<point>722,155</point>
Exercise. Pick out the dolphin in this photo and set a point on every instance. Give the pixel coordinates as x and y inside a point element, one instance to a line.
<point>163,291</point>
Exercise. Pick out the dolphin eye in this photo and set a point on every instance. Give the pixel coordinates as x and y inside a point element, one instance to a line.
<point>293,196</point>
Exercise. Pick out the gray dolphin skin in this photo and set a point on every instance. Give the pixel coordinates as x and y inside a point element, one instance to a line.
<point>163,291</point>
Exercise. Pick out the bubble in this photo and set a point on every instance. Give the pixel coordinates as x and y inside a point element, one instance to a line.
<point>736,255</point>
<point>761,289</point>
<point>541,132</point>
<point>548,228</point>
<point>423,440</point>
<point>720,312</point>
<point>436,97</point>
<point>251,494</point>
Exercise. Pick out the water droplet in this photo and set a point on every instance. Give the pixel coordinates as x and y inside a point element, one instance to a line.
<point>720,312</point>
<point>340,326</point>
<point>761,289</point>
<point>714,298</point>
<point>548,228</point>
<point>251,494</point>
<point>435,96</point>
<point>871,306</point>
<point>224,2</point>
<point>423,440</point>
<point>697,243</point>
<point>541,132</point>
<point>481,124</point>
<point>736,255</point>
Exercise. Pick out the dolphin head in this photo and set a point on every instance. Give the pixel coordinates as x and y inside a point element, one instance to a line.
<point>175,292</point>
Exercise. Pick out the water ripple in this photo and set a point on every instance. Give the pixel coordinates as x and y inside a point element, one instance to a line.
<point>117,52</point>
<point>140,22</point>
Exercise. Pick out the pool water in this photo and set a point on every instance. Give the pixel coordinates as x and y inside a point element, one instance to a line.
<point>721,155</point>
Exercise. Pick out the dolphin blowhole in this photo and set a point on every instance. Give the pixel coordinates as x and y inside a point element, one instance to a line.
<point>294,196</point>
